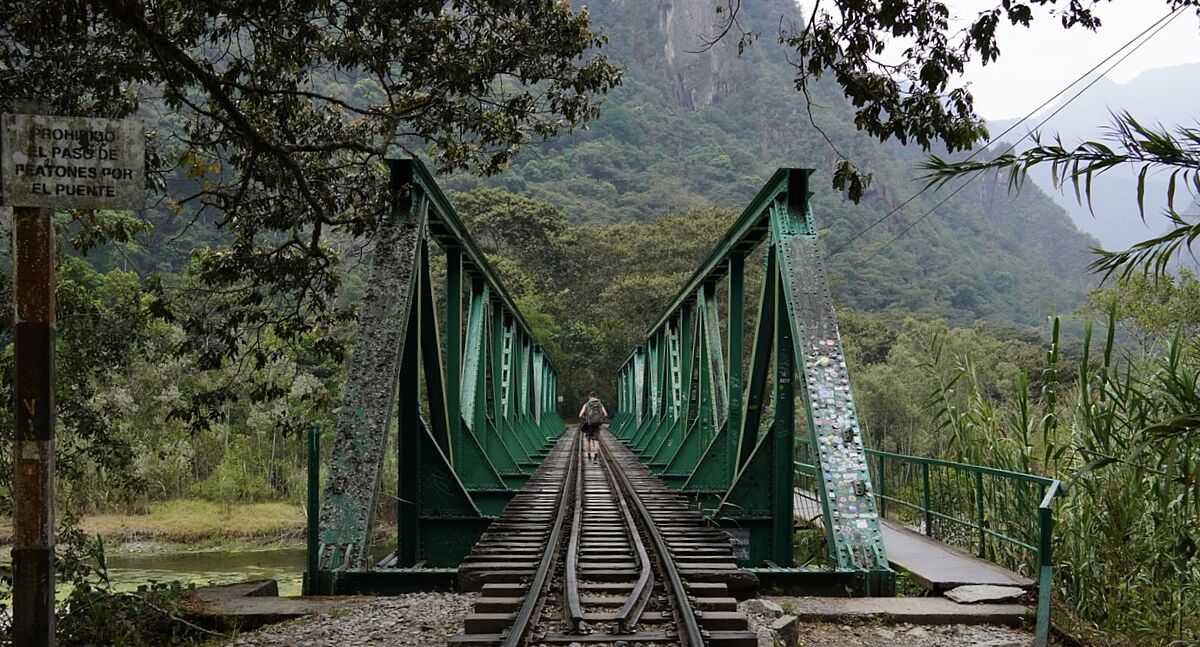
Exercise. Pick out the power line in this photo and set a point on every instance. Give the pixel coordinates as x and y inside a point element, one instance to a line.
<point>1170,15</point>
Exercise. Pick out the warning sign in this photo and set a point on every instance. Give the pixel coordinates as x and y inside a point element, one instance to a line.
<point>72,162</point>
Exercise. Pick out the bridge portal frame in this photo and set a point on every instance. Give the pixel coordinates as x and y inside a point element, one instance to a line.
<point>721,426</point>
<point>471,395</point>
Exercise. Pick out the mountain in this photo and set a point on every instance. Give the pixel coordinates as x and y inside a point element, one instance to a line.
<point>1169,96</point>
<point>697,126</point>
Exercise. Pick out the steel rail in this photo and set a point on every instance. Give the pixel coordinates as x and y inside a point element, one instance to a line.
<point>627,618</point>
<point>534,598</point>
<point>640,595</point>
<point>631,611</point>
<point>574,610</point>
<point>690,634</point>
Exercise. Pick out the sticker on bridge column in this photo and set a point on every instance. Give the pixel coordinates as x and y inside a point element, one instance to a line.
<point>839,449</point>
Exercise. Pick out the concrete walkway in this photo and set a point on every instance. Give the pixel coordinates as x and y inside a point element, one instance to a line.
<point>917,611</point>
<point>937,566</point>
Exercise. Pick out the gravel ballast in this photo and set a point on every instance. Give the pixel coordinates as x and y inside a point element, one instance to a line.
<point>431,618</point>
<point>875,635</point>
<point>878,634</point>
<point>410,619</point>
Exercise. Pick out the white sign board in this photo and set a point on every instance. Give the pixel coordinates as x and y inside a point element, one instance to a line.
<point>72,162</point>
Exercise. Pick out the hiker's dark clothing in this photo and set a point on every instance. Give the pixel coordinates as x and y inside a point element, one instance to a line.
<point>593,414</point>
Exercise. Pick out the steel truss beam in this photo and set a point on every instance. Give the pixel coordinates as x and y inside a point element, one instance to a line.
<point>726,434</point>
<point>472,413</point>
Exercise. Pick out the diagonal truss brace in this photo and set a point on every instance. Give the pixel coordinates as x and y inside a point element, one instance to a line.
<point>848,503</point>
<point>347,514</point>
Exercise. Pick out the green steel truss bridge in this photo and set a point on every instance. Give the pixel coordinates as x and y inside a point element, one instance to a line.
<point>763,437</point>
<point>469,420</point>
<point>725,429</point>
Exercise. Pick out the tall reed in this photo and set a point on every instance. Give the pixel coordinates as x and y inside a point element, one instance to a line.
<point>1124,437</point>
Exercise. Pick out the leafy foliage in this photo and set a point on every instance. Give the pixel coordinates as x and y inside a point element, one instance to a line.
<point>275,117</point>
<point>101,332</point>
<point>1121,428</point>
<point>1152,310</point>
<point>95,613</point>
<point>272,120</point>
<point>1149,150</point>
<point>916,95</point>
<point>590,292</point>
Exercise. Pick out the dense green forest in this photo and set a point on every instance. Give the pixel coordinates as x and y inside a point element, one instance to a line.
<point>944,308</point>
<point>691,128</point>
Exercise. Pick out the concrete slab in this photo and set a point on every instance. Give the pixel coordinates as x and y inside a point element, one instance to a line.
<point>936,566</point>
<point>940,567</point>
<point>917,611</point>
<point>975,593</point>
<point>249,605</point>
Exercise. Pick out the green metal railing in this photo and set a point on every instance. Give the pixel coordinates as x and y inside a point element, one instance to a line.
<point>1002,516</point>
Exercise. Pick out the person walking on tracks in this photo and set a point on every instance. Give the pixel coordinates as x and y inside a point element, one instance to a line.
<point>593,415</point>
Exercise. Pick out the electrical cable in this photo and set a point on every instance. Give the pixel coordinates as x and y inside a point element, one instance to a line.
<point>1168,17</point>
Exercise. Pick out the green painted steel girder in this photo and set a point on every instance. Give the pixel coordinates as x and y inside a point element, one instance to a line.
<point>750,229</point>
<point>730,426</point>
<point>385,337</point>
<point>472,413</point>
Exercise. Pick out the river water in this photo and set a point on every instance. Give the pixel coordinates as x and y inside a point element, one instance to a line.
<point>129,570</point>
<point>285,565</point>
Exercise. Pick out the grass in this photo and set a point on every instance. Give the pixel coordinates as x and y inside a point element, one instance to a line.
<point>191,521</point>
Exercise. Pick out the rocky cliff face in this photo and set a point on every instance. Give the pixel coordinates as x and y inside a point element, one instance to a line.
<point>696,71</point>
<point>678,43</point>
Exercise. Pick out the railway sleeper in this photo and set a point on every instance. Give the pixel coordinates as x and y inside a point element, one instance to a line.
<point>609,553</point>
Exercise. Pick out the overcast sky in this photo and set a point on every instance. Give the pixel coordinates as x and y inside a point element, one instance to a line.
<point>1036,62</point>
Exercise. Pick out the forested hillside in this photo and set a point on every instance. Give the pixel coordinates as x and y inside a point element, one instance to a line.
<point>706,128</point>
<point>597,231</point>
<point>196,341</point>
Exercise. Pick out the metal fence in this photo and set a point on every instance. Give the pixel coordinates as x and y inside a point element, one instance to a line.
<point>1004,517</point>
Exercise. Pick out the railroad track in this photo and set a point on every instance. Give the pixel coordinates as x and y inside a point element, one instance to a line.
<point>600,552</point>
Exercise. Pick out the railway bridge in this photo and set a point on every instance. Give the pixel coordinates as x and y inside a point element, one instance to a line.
<point>735,431</point>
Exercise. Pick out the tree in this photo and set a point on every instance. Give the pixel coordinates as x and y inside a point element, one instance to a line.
<point>273,119</point>
<point>1130,144</point>
<point>520,233</point>
<point>1153,309</point>
<point>916,95</point>
<point>103,325</point>
<point>270,119</point>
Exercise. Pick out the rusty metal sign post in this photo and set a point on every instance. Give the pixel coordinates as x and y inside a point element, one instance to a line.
<point>49,162</point>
